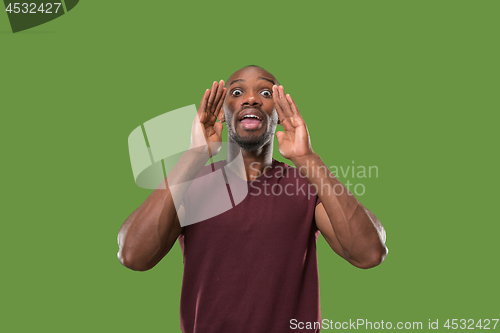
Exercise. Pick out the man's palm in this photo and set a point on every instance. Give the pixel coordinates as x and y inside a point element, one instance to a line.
<point>294,142</point>
<point>206,132</point>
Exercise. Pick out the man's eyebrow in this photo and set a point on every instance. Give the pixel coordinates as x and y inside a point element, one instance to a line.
<point>267,79</point>
<point>260,78</point>
<point>236,81</point>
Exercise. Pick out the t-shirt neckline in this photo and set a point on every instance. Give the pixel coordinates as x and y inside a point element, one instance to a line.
<point>267,172</point>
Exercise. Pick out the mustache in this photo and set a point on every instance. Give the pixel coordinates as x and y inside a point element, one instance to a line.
<point>250,107</point>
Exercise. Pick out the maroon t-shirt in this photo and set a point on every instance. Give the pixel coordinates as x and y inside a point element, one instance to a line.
<point>252,268</point>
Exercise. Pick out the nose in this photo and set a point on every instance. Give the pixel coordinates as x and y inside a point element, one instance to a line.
<point>251,99</point>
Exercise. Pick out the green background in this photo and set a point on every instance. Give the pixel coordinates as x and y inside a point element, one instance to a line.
<point>408,86</point>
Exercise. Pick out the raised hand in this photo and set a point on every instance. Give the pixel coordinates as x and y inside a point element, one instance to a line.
<point>294,142</point>
<point>206,131</point>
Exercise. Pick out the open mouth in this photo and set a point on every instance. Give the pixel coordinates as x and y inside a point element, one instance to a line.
<point>251,119</point>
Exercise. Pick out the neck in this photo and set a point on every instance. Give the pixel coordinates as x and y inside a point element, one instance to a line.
<point>254,161</point>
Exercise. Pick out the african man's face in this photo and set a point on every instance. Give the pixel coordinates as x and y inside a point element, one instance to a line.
<point>249,108</point>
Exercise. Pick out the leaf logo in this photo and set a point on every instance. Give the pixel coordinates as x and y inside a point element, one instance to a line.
<point>29,14</point>
<point>156,148</point>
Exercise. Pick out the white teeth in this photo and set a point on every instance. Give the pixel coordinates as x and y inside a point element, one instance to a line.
<point>250,116</point>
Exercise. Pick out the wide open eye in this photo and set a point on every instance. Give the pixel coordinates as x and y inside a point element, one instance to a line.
<point>237,92</point>
<point>266,93</point>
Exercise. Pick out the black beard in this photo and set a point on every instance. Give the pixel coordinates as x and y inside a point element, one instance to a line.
<point>251,143</point>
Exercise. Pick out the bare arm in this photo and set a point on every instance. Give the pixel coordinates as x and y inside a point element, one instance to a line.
<point>350,229</point>
<point>151,230</point>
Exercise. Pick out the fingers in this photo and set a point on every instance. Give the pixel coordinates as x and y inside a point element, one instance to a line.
<point>282,101</point>
<point>203,105</point>
<point>279,136</point>
<point>285,104</point>
<point>218,112</point>
<point>221,116</point>
<point>216,94</point>
<point>219,97</point>
<point>277,104</point>
<point>295,110</point>
<point>204,100</point>
<point>212,102</point>
<point>283,107</point>
<point>211,98</point>
<point>286,109</point>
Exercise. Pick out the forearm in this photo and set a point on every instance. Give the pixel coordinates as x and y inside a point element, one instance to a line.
<point>151,230</point>
<point>357,230</point>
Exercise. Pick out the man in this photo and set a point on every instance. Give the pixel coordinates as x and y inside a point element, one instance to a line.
<point>252,268</point>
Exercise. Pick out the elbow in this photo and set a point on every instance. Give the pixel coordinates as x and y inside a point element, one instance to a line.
<point>128,260</point>
<point>375,258</point>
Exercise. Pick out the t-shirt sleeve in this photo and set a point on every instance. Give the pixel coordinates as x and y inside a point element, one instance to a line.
<point>318,200</point>
<point>317,231</point>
